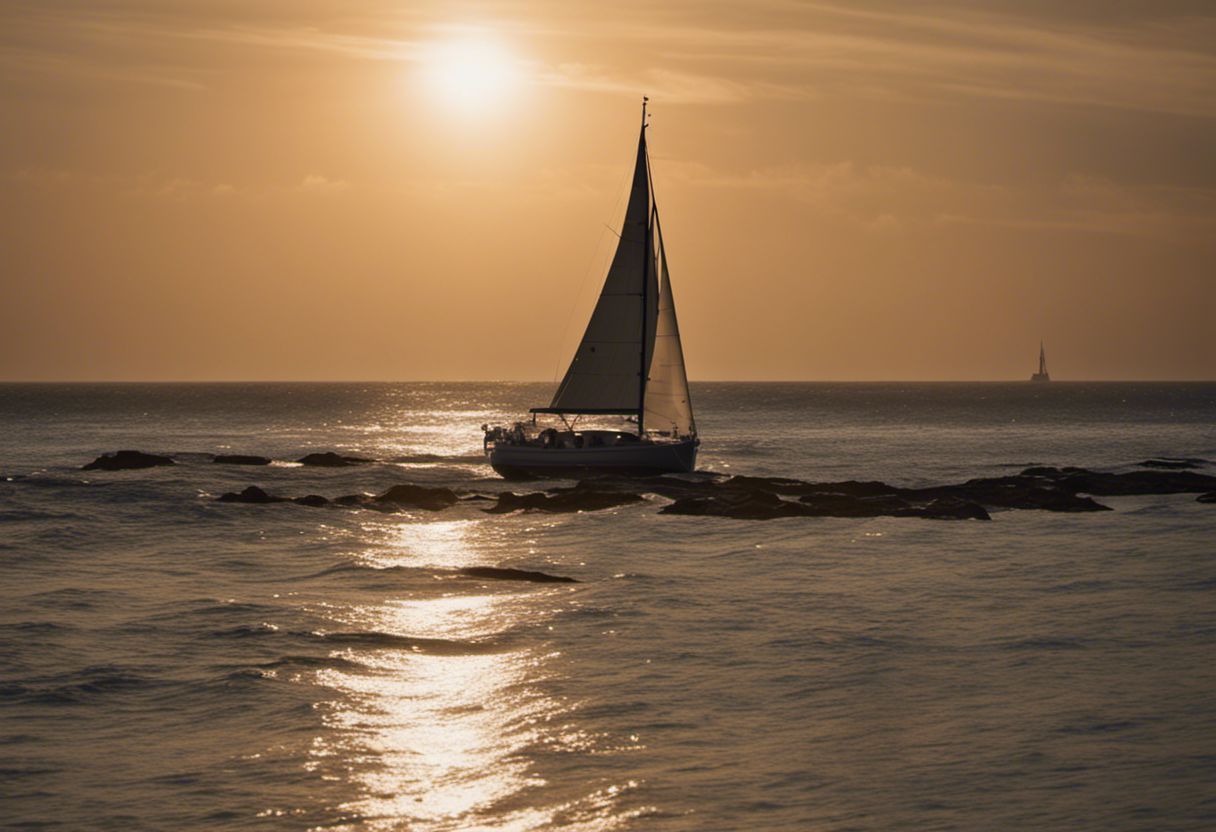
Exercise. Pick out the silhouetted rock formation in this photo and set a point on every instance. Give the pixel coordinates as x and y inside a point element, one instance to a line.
<point>495,573</point>
<point>329,459</point>
<point>240,459</point>
<point>1133,482</point>
<point>257,496</point>
<point>418,496</point>
<point>765,498</point>
<point>252,494</point>
<point>1210,497</point>
<point>126,460</point>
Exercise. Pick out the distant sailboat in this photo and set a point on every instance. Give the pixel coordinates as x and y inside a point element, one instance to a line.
<point>1041,375</point>
<point>629,363</point>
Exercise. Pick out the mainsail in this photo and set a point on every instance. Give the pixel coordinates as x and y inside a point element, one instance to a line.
<point>606,373</point>
<point>630,361</point>
<point>668,404</point>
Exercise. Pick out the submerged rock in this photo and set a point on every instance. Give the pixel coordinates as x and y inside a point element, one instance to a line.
<point>418,496</point>
<point>240,459</point>
<point>1210,497</point>
<point>127,460</point>
<point>495,573</point>
<point>329,459</point>
<point>252,494</point>
<point>952,508</point>
<point>314,500</point>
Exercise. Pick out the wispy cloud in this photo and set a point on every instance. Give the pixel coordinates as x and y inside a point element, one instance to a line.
<point>889,199</point>
<point>1163,64</point>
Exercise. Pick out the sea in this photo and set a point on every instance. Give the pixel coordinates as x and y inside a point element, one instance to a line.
<point>172,662</point>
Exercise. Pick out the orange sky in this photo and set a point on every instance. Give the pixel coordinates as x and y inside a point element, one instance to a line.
<point>350,189</point>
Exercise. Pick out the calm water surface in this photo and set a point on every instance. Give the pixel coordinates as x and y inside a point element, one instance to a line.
<point>170,662</point>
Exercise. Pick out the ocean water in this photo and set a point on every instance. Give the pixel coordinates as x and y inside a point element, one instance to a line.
<point>171,662</point>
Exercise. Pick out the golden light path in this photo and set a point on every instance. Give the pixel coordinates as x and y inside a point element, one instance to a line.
<point>440,732</point>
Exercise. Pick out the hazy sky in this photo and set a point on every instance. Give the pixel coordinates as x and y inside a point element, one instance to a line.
<point>359,189</point>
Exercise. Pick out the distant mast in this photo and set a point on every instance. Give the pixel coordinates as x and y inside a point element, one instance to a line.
<point>1041,375</point>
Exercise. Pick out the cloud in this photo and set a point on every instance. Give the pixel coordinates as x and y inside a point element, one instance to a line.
<point>314,183</point>
<point>889,199</point>
<point>1158,61</point>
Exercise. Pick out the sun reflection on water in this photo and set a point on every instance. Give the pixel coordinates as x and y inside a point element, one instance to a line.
<point>443,732</point>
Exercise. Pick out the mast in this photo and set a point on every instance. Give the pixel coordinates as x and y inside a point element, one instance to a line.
<point>642,368</point>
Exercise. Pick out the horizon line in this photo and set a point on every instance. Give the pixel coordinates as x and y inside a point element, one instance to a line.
<point>691,381</point>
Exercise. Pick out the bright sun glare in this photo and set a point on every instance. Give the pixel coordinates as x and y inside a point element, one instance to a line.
<point>472,73</point>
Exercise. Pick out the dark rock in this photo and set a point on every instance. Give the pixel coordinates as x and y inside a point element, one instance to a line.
<point>565,500</point>
<point>1210,497</point>
<point>252,494</point>
<point>1017,492</point>
<point>240,459</point>
<point>315,500</point>
<point>354,500</point>
<point>1103,484</point>
<point>952,508</point>
<point>417,496</point>
<point>329,459</point>
<point>126,460</point>
<point>496,574</point>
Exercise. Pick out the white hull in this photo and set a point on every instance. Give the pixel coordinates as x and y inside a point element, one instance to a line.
<point>638,458</point>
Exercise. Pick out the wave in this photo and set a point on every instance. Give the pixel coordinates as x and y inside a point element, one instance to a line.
<point>80,686</point>
<point>322,662</point>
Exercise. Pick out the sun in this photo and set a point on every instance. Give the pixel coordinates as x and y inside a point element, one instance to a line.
<point>472,73</point>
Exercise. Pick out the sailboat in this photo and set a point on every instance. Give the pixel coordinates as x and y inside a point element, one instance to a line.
<point>1041,375</point>
<point>630,364</point>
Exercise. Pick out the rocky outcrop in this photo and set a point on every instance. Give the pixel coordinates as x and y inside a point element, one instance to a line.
<point>495,573</point>
<point>252,494</point>
<point>257,496</point>
<point>1101,484</point>
<point>1039,488</point>
<point>1210,497</point>
<point>417,496</point>
<point>240,459</point>
<point>329,459</point>
<point>126,461</point>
